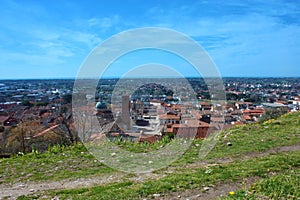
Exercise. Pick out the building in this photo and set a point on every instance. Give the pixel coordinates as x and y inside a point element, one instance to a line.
<point>169,117</point>
<point>126,121</point>
<point>191,129</point>
<point>3,120</point>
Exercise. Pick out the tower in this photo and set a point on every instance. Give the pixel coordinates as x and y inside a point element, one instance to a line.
<point>126,122</point>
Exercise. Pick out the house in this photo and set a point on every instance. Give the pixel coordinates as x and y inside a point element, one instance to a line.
<point>8,105</point>
<point>191,129</point>
<point>243,105</point>
<point>252,115</point>
<point>205,106</point>
<point>169,117</point>
<point>3,120</point>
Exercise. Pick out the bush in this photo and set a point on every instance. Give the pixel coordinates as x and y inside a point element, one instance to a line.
<point>273,113</point>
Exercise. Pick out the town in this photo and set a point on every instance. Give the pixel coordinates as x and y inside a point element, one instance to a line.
<point>35,114</point>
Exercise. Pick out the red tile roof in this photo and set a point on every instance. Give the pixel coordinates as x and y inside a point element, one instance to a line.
<point>3,118</point>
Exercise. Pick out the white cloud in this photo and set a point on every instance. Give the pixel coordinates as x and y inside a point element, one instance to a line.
<point>103,23</point>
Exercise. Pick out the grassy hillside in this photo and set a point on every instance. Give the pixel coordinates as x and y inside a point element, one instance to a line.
<point>263,162</point>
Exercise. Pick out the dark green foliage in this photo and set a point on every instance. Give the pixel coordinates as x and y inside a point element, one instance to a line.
<point>27,103</point>
<point>273,113</point>
<point>67,98</point>
<point>41,103</point>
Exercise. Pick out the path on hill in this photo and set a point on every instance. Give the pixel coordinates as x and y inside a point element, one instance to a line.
<point>18,189</point>
<point>15,190</point>
<point>12,191</point>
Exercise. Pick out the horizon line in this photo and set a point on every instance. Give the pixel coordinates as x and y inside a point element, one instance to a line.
<point>117,77</point>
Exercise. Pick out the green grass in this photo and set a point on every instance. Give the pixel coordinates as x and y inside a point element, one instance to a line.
<point>260,137</point>
<point>55,164</point>
<point>143,147</point>
<point>281,186</point>
<point>190,179</point>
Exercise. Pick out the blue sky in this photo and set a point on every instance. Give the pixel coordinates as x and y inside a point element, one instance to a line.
<point>51,39</point>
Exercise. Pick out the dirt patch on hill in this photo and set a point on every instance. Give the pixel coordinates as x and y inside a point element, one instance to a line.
<point>211,192</point>
<point>17,189</point>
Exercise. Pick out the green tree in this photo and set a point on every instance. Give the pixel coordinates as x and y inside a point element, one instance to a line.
<point>27,103</point>
<point>67,98</point>
<point>273,113</point>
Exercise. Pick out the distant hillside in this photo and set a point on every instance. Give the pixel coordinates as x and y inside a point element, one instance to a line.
<point>261,162</point>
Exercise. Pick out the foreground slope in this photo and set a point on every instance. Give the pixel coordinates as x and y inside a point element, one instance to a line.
<point>263,162</point>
